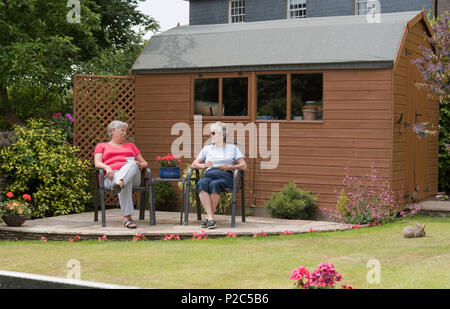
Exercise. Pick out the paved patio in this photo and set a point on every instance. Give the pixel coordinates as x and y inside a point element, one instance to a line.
<point>64,227</point>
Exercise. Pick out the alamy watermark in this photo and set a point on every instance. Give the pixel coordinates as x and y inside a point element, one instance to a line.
<point>257,137</point>
<point>74,271</point>
<point>74,15</point>
<point>374,273</point>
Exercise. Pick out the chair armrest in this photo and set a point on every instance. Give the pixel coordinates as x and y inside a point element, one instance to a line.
<point>238,175</point>
<point>101,173</point>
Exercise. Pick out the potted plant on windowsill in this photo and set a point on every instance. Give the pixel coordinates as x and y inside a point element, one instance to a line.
<point>169,166</point>
<point>14,212</point>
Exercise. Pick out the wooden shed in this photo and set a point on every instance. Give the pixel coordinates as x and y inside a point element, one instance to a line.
<point>357,73</point>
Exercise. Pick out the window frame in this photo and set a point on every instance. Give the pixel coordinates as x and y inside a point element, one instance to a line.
<point>356,6</point>
<point>230,17</point>
<point>288,11</point>
<point>221,76</point>
<point>288,96</point>
<point>253,93</point>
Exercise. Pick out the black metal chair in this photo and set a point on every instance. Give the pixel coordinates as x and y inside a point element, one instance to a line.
<point>238,185</point>
<point>144,187</point>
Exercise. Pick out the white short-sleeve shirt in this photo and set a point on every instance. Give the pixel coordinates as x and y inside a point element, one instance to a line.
<point>227,154</point>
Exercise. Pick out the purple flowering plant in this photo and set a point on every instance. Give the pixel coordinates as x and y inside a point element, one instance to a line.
<point>65,123</point>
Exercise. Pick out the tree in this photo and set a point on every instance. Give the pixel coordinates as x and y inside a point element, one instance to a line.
<point>435,69</point>
<point>40,47</point>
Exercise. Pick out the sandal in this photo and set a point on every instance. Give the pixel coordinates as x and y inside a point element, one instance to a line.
<point>130,224</point>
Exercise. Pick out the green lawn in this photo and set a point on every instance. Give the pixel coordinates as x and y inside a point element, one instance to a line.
<point>246,262</point>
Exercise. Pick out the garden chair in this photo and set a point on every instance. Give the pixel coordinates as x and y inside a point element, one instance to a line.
<point>144,187</point>
<point>238,185</point>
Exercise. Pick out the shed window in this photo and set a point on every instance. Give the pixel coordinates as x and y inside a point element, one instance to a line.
<point>236,11</point>
<point>227,96</point>
<point>296,9</point>
<point>206,97</point>
<point>235,96</point>
<point>306,96</point>
<point>271,96</point>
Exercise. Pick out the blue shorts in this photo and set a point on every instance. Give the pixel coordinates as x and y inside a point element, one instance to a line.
<point>216,181</point>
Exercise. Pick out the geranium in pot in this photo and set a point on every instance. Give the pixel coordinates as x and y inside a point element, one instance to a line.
<point>14,212</point>
<point>169,166</point>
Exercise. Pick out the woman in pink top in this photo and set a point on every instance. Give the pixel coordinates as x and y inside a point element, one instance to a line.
<point>121,162</point>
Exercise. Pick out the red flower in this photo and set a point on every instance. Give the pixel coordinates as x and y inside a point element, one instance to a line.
<point>10,194</point>
<point>26,197</point>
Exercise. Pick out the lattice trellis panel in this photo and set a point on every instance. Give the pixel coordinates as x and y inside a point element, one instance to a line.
<point>98,100</point>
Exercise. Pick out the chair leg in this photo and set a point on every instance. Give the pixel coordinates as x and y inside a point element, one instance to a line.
<point>186,203</point>
<point>96,205</point>
<point>102,197</point>
<point>182,203</point>
<point>243,202</point>
<point>142,205</point>
<point>233,209</point>
<point>198,206</point>
<point>151,200</point>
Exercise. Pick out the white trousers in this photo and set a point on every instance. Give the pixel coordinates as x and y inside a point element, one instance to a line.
<point>131,176</point>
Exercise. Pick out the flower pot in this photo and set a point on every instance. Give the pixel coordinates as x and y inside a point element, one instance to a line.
<point>169,172</point>
<point>14,220</point>
<point>309,112</point>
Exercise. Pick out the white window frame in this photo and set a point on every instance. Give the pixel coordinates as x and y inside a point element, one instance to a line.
<point>296,9</point>
<point>236,11</point>
<point>361,7</point>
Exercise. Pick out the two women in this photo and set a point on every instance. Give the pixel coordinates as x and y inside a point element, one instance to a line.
<point>121,161</point>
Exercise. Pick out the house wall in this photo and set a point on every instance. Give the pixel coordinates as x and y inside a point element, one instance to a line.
<point>356,128</point>
<point>404,138</point>
<point>216,11</point>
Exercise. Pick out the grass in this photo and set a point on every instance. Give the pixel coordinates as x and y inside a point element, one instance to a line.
<point>245,262</point>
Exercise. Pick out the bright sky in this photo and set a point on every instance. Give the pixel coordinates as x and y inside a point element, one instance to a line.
<point>167,12</point>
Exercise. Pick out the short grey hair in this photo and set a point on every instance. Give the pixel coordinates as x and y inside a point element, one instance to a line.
<point>114,125</point>
<point>222,127</point>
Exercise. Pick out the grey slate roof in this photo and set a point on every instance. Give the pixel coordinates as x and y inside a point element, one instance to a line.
<point>340,42</point>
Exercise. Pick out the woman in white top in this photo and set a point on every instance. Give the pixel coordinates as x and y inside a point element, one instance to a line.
<point>220,160</point>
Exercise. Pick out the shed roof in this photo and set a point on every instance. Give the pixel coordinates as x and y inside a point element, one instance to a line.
<point>337,42</point>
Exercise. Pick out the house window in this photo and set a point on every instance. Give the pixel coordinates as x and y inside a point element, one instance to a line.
<point>296,9</point>
<point>206,97</point>
<point>227,96</point>
<point>361,7</point>
<point>271,96</point>
<point>236,11</point>
<point>306,96</point>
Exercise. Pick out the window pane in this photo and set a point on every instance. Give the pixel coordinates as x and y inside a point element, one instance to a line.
<point>206,97</point>
<point>235,96</point>
<point>306,96</point>
<point>271,93</point>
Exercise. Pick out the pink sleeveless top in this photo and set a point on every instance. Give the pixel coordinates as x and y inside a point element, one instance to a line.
<point>114,156</point>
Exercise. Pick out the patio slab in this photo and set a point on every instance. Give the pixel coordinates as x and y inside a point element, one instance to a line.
<point>64,227</point>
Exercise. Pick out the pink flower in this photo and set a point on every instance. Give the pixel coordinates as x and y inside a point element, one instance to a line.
<point>70,240</point>
<point>10,194</point>
<point>44,239</point>
<point>229,234</point>
<point>311,229</point>
<point>69,116</point>
<point>287,233</point>
<point>56,115</point>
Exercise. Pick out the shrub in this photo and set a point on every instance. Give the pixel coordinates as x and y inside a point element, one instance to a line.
<point>165,196</point>
<point>292,203</point>
<point>39,161</point>
<point>224,200</point>
<point>366,200</point>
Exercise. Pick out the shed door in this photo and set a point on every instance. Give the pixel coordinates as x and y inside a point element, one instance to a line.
<point>417,185</point>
